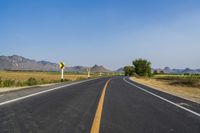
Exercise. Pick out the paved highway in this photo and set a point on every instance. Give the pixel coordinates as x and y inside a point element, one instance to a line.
<point>106,105</point>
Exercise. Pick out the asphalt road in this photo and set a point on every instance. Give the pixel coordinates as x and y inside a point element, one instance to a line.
<point>127,108</point>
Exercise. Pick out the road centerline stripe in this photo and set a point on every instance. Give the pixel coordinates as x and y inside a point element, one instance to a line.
<point>97,119</point>
<point>162,98</point>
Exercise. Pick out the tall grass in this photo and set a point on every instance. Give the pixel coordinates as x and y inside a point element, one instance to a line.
<point>181,80</point>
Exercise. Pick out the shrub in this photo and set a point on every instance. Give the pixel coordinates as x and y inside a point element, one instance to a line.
<point>8,83</point>
<point>19,83</point>
<point>65,80</point>
<point>129,70</point>
<point>32,81</point>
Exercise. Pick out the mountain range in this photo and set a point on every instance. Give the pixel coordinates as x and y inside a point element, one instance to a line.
<point>16,62</point>
<point>169,70</point>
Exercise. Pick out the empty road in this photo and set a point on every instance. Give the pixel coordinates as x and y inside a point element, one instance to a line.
<point>106,105</point>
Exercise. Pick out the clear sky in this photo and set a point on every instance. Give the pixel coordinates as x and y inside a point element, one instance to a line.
<point>105,32</point>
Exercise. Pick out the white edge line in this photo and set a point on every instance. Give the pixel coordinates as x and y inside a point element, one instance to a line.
<point>41,92</point>
<point>186,109</point>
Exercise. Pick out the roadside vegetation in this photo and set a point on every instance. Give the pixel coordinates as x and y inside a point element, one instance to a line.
<point>29,78</point>
<point>192,80</point>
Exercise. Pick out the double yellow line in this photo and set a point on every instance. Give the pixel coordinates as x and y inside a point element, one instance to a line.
<point>97,119</point>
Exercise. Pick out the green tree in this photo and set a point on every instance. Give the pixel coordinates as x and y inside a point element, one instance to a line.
<point>142,67</point>
<point>129,70</point>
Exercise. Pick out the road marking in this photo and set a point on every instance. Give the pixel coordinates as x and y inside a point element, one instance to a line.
<point>41,92</point>
<point>97,119</point>
<point>177,105</point>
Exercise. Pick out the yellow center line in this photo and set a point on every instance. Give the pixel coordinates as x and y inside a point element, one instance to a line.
<point>97,118</point>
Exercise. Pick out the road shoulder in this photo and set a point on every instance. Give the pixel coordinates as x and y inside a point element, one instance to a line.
<point>191,95</point>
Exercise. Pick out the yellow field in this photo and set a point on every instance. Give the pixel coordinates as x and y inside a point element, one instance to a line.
<point>47,76</point>
<point>190,93</point>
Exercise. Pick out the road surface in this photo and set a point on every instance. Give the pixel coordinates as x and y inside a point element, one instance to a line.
<point>109,105</point>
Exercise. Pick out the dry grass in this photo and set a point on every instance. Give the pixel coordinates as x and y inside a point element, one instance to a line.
<point>25,78</point>
<point>47,76</point>
<point>187,92</point>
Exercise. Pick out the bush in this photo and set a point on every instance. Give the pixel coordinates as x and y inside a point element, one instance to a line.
<point>129,70</point>
<point>8,83</point>
<point>65,80</point>
<point>32,81</point>
<point>19,83</point>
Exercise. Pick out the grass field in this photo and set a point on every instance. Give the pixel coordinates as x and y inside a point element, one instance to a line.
<point>180,80</point>
<point>185,86</point>
<point>23,78</point>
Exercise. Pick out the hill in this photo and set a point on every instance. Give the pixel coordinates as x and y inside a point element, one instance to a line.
<point>97,68</point>
<point>16,62</point>
<point>120,70</point>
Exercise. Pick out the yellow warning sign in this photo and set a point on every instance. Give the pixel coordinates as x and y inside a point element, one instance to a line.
<point>62,65</point>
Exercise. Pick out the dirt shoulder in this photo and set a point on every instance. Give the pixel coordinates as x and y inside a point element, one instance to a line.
<point>11,89</point>
<point>189,93</point>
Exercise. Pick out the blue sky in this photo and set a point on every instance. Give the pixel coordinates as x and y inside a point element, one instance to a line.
<point>105,32</point>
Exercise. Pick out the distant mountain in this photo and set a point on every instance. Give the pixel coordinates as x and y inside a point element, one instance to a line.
<point>97,68</point>
<point>169,70</point>
<point>16,62</point>
<point>191,71</point>
<point>120,70</point>
<point>179,71</point>
<point>77,69</point>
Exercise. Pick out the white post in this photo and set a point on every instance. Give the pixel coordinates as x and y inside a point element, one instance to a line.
<point>88,72</point>
<point>62,70</point>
